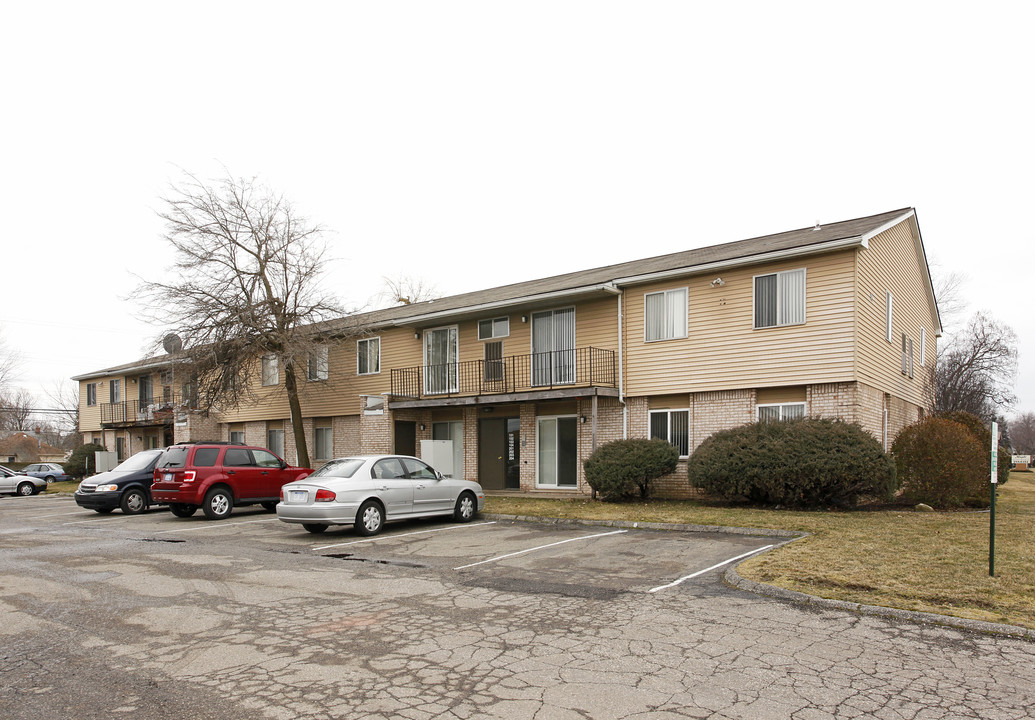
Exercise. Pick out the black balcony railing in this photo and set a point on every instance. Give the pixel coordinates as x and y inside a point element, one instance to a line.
<point>145,410</point>
<point>579,367</point>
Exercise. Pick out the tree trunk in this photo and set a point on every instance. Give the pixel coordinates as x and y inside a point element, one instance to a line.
<point>291,386</point>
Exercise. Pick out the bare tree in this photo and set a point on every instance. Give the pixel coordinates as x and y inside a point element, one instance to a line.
<point>948,289</point>
<point>63,398</point>
<point>976,369</point>
<point>245,294</point>
<point>407,290</point>
<point>1022,433</point>
<point>9,364</point>
<point>16,409</point>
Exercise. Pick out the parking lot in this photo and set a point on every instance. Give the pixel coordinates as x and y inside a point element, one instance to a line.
<point>153,616</point>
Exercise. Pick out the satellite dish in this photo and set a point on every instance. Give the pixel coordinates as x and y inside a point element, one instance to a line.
<point>172,343</point>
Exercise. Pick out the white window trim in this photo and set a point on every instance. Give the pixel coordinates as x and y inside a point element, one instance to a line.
<point>88,386</point>
<point>800,403</point>
<point>923,345</point>
<point>322,355</point>
<point>686,317</point>
<point>556,486</point>
<point>669,411</point>
<point>804,300</point>
<point>888,315</point>
<point>493,321</point>
<point>275,375</point>
<point>330,448</point>
<point>358,345</point>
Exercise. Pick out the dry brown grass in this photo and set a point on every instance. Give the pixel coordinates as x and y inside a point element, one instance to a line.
<point>932,562</point>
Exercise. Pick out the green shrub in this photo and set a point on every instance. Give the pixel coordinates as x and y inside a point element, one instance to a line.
<point>76,465</point>
<point>623,467</point>
<point>942,464</point>
<point>801,463</point>
<point>983,433</point>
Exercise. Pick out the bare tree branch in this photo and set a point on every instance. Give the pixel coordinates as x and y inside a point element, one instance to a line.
<point>406,290</point>
<point>976,369</point>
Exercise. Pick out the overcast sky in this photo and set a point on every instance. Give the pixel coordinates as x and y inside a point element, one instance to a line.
<point>477,144</point>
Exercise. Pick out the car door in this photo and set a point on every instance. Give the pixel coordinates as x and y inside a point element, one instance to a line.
<point>429,493</point>
<point>242,474</point>
<point>6,482</point>
<point>392,486</point>
<point>271,477</point>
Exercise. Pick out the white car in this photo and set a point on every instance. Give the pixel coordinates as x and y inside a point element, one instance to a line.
<point>14,483</point>
<point>367,491</point>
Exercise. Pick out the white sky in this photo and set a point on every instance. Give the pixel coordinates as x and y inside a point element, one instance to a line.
<point>475,144</point>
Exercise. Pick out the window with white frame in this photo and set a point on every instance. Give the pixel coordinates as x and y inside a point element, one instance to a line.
<point>237,437</point>
<point>270,370</point>
<point>368,356</point>
<point>780,298</point>
<point>275,441</point>
<point>324,442</point>
<point>907,355</point>
<point>495,328</point>
<point>781,411</point>
<point>115,391</point>
<point>317,369</point>
<point>923,344</point>
<point>889,303</point>
<point>91,393</point>
<point>665,315</point>
<point>673,426</point>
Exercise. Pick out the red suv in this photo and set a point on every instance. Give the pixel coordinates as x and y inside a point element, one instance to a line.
<point>217,476</point>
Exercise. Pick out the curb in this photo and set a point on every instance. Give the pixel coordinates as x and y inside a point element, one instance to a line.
<point>732,578</point>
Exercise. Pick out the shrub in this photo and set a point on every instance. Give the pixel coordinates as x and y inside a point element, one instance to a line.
<point>942,464</point>
<point>803,463</point>
<point>620,468</point>
<point>76,465</point>
<point>977,427</point>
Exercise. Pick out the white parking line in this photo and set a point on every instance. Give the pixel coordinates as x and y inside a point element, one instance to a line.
<point>541,547</point>
<point>40,517</point>
<point>702,572</point>
<point>215,526</point>
<point>418,532</point>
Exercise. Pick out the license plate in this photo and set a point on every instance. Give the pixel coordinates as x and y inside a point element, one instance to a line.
<point>298,495</point>
<point>168,477</point>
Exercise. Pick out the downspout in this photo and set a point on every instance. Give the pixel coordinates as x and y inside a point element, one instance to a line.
<point>621,369</point>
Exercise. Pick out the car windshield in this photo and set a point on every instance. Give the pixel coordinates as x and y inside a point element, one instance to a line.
<point>140,461</point>
<point>173,457</point>
<point>344,468</point>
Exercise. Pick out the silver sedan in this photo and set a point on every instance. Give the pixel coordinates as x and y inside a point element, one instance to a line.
<point>367,491</point>
<point>14,483</point>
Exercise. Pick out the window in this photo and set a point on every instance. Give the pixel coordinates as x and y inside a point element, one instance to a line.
<point>907,355</point>
<point>275,440</point>
<point>673,426</point>
<point>120,449</point>
<point>494,361</point>
<point>453,431</point>
<point>237,437</point>
<point>206,457</point>
<point>923,344</point>
<point>904,361</point>
<point>236,457</point>
<point>889,302</point>
<point>368,356</point>
<point>557,447</point>
<point>440,360</point>
<point>91,394</point>
<point>553,347</point>
<point>496,328</point>
<point>665,315</point>
<point>265,459</point>
<point>324,442</point>
<point>780,299</point>
<point>318,364</point>
<point>270,370</point>
<point>115,391</point>
<point>786,411</point>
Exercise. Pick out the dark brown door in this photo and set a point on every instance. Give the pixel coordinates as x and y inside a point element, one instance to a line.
<point>405,437</point>
<point>492,453</point>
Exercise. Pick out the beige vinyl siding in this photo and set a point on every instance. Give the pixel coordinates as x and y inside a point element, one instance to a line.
<point>89,415</point>
<point>892,263</point>
<point>724,351</point>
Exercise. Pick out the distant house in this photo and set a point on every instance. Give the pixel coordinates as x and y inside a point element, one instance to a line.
<point>522,382</point>
<point>23,447</point>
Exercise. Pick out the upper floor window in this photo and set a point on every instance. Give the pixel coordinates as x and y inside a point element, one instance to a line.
<point>368,356</point>
<point>665,315</point>
<point>784,411</point>
<point>91,393</point>
<point>318,364</point>
<point>496,328</point>
<point>673,426</point>
<point>780,298</point>
<point>907,355</point>
<point>923,344</point>
<point>270,370</point>
<point>889,303</point>
<point>115,391</point>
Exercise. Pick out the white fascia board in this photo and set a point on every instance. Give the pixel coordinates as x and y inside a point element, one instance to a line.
<point>889,224</point>
<point>129,370</point>
<point>839,244</point>
<point>499,304</point>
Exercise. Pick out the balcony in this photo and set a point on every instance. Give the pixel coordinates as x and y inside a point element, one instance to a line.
<point>586,367</point>
<point>146,411</point>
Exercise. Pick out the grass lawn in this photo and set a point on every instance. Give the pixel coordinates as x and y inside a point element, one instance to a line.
<point>932,562</point>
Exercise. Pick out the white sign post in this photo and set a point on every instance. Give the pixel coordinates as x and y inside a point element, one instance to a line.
<point>995,481</point>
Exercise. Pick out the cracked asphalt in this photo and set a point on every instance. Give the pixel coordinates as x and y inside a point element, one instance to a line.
<point>153,616</point>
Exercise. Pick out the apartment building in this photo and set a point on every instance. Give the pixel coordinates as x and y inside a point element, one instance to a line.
<point>520,383</point>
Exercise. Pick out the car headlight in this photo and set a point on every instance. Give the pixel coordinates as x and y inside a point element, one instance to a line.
<point>107,488</point>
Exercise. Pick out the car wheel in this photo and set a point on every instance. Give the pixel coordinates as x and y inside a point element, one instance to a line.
<point>103,511</point>
<point>270,506</point>
<point>370,518</point>
<point>315,528</point>
<point>133,501</point>
<point>466,507</point>
<point>26,488</point>
<point>219,503</point>
<point>183,510</point>
<point>49,479</point>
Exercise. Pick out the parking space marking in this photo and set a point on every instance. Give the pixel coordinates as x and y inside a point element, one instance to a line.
<point>215,526</point>
<point>541,547</point>
<point>702,572</point>
<point>388,537</point>
<point>40,517</point>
